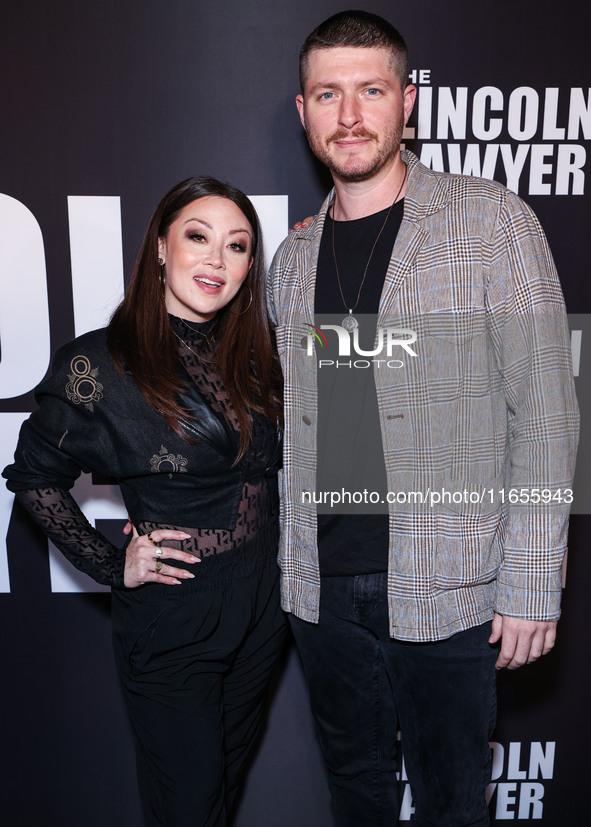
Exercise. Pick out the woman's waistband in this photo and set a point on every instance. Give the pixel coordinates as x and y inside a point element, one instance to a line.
<point>219,571</point>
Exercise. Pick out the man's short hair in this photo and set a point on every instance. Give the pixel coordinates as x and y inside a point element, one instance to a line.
<point>361,29</point>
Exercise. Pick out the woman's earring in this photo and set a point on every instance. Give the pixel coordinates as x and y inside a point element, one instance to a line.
<point>247,308</point>
<point>162,275</point>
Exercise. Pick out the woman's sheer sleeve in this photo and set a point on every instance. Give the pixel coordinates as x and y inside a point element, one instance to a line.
<point>62,438</point>
<point>56,511</point>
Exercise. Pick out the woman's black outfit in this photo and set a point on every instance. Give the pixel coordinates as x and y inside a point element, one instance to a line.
<point>194,659</point>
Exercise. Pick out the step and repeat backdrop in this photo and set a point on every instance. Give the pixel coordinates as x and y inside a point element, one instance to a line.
<point>103,107</point>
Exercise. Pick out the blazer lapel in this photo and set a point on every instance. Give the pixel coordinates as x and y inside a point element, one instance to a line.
<point>409,241</point>
<point>424,196</point>
<point>307,259</point>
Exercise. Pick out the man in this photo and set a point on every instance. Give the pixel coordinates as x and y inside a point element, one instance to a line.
<point>392,611</point>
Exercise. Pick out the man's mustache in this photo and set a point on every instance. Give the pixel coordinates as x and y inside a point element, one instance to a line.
<point>342,134</point>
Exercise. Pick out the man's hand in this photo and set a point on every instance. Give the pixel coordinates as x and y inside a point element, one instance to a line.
<point>299,225</point>
<point>522,641</point>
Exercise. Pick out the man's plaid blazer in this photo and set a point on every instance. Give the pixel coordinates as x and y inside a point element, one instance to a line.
<point>486,408</point>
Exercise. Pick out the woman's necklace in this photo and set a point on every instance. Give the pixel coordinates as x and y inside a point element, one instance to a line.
<point>350,323</point>
<point>209,339</point>
<point>182,341</point>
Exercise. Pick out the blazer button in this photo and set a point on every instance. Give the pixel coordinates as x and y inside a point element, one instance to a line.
<point>306,420</point>
<point>304,342</point>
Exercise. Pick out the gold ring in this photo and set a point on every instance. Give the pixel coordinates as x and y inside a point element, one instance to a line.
<point>150,538</point>
<point>158,566</point>
<point>158,551</point>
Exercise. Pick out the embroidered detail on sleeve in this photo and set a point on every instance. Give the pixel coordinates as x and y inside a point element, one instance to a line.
<point>83,386</point>
<point>164,461</point>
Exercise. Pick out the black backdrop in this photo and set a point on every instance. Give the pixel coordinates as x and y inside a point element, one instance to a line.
<point>103,106</point>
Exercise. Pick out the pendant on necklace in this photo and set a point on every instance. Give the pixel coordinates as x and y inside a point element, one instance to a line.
<point>350,323</point>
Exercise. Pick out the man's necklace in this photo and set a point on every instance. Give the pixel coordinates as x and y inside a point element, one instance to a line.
<point>350,323</point>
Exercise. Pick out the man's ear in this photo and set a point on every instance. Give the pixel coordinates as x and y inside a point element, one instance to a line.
<point>409,96</point>
<point>300,105</point>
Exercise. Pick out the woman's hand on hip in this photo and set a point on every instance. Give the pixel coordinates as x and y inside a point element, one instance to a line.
<point>145,559</point>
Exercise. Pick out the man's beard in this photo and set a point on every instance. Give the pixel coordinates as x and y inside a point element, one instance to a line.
<point>354,169</point>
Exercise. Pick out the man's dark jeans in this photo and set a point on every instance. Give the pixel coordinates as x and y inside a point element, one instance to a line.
<point>363,684</point>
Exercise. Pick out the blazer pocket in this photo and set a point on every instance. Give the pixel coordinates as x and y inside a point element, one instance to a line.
<point>445,360</point>
<point>447,345</point>
<point>472,499</point>
<point>470,536</point>
<point>470,557</point>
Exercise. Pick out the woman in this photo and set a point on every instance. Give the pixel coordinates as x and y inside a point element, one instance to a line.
<point>179,401</point>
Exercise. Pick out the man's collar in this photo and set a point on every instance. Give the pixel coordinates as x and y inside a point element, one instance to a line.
<point>426,190</point>
<point>426,193</point>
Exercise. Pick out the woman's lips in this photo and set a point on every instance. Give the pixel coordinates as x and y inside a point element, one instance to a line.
<point>208,284</point>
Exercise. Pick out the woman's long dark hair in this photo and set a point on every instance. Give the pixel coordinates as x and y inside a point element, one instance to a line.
<point>140,338</point>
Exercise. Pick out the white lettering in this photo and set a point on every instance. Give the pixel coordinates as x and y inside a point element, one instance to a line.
<point>24,306</point>
<point>432,157</point>
<point>514,166</point>
<point>424,113</point>
<point>551,131</point>
<point>498,756</point>
<point>524,104</point>
<point>96,252</point>
<point>404,343</point>
<point>538,168</point>
<point>579,114</point>
<point>343,336</point>
<point>576,338</point>
<point>571,160</point>
<point>378,349</point>
<point>471,164</point>
<point>541,763</point>
<point>513,771</point>
<point>407,807</point>
<point>273,215</point>
<point>480,113</point>
<point>504,801</point>
<point>530,800</point>
<point>452,113</point>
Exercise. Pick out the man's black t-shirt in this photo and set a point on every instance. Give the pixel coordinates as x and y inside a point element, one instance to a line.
<point>350,453</point>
